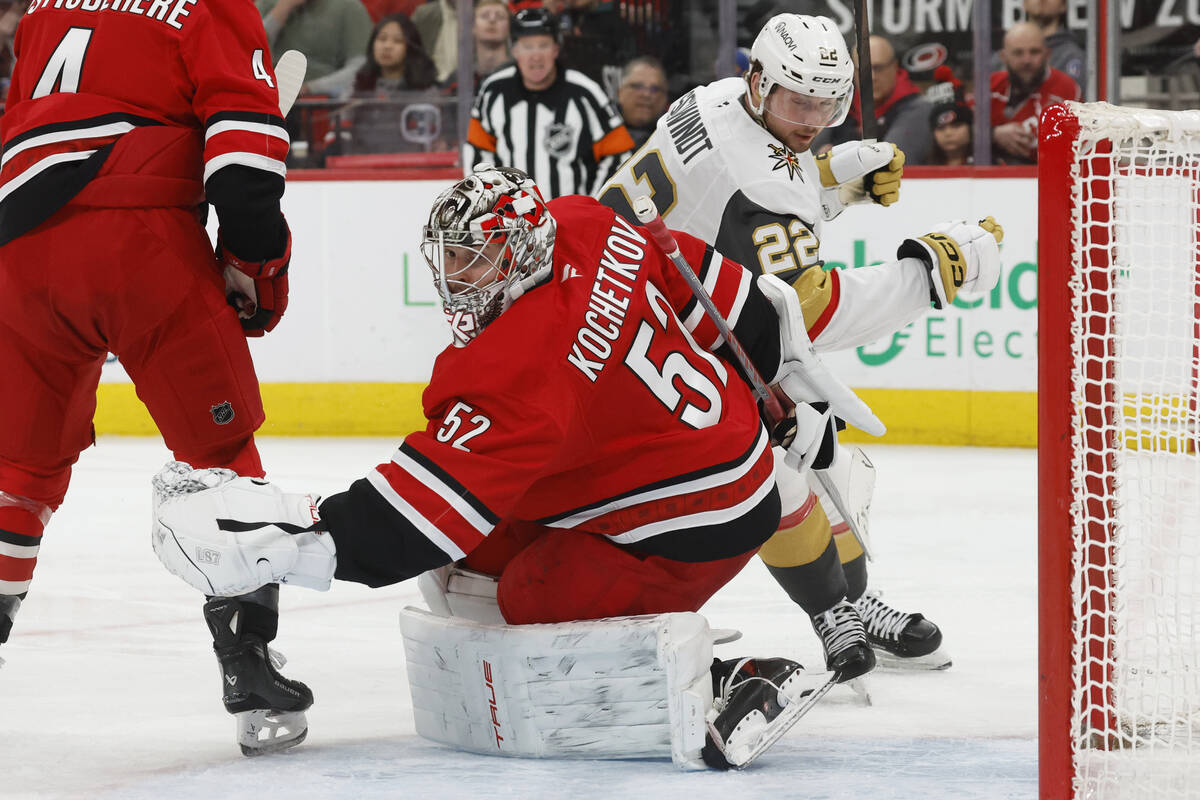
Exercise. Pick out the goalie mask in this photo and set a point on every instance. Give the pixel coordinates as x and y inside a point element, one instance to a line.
<point>489,238</point>
<point>808,56</point>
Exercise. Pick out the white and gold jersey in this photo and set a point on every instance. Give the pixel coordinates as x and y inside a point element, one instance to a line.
<point>714,172</point>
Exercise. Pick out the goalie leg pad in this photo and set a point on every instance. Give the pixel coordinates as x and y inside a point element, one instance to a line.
<point>455,591</point>
<point>632,687</point>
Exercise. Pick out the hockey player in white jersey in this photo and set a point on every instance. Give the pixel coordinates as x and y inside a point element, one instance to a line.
<point>730,164</point>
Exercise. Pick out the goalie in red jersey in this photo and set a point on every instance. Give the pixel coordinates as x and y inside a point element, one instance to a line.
<point>123,120</point>
<point>591,451</point>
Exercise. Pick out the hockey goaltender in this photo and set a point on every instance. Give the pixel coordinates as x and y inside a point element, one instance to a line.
<point>594,468</point>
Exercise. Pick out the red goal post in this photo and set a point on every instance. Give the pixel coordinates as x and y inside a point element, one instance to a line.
<point>1118,464</point>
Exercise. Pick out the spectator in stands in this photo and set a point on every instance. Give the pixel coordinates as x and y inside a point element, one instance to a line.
<point>333,35</point>
<point>596,39</point>
<point>396,59</point>
<point>901,112</point>
<point>642,96</point>
<point>1021,91</point>
<point>551,122</point>
<point>953,142</point>
<point>10,15</point>
<point>1066,55</point>
<point>437,22</point>
<point>385,118</point>
<point>491,33</point>
<point>491,37</point>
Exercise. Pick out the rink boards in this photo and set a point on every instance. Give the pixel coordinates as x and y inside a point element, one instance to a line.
<point>363,326</point>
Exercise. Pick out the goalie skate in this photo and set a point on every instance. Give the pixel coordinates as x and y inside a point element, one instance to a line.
<point>901,640</point>
<point>756,701</point>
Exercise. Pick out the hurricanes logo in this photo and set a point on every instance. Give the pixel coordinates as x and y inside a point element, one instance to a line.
<point>463,325</point>
<point>785,159</point>
<point>222,413</point>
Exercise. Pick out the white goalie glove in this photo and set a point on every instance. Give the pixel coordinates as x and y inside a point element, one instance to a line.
<point>805,380</point>
<point>859,172</point>
<point>960,256</point>
<point>227,535</point>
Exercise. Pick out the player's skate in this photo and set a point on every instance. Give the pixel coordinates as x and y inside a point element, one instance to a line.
<point>269,707</point>
<point>847,653</point>
<point>901,640</point>
<point>756,701</point>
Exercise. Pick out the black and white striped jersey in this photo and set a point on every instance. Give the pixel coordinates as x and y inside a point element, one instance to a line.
<point>568,137</point>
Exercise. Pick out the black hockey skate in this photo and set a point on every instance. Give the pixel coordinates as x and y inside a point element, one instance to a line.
<point>269,707</point>
<point>903,640</point>
<point>756,701</point>
<point>847,653</point>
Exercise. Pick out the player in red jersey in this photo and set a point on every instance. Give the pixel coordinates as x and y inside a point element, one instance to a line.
<point>591,451</point>
<point>587,444</point>
<point>124,118</point>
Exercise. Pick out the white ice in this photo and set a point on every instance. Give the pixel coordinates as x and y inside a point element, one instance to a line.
<point>111,689</point>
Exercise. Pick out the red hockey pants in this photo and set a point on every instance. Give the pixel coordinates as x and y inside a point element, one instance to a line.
<point>549,575</point>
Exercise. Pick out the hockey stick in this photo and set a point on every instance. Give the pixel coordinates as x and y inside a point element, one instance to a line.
<point>866,83</point>
<point>841,398</point>
<point>289,78</point>
<point>647,214</point>
<point>823,383</point>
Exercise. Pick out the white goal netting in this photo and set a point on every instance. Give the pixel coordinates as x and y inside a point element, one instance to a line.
<point>1135,293</point>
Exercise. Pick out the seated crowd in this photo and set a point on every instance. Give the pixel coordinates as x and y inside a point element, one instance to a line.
<point>383,75</point>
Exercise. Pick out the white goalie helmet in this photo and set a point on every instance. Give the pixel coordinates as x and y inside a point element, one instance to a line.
<point>806,55</point>
<point>489,238</point>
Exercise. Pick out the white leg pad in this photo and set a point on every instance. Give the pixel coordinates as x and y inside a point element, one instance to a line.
<point>628,687</point>
<point>454,591</point>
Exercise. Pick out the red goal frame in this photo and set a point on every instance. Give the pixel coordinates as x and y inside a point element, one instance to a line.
<point>1057,557</point>
<point>1080,436</point>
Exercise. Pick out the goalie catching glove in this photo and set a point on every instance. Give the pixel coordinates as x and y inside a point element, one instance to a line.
<point>960,257</point>
<point>859,172</point>
<point>227,535</point>
<point>258,290</point>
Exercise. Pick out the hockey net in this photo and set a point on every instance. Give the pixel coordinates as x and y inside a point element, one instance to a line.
<point>1119,466</point>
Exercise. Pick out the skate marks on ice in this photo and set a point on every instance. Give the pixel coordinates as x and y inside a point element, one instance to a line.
<point>111,689</point>
<point>815,769</point>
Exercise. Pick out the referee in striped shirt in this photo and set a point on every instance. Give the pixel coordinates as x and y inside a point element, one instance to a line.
<point>555,124</point>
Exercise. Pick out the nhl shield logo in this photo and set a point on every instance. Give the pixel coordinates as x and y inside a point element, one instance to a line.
<point>222,413</point>
<point>560,139</point>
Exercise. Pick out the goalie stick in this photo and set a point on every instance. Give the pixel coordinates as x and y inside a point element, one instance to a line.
<point>821,378</point>
<point>289,77</point>
<point>844,402</point>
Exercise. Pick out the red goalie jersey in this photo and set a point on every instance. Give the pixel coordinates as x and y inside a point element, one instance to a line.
<point>595,403</point>
<point>157,94</point>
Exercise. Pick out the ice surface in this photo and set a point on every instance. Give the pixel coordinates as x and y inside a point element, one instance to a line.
<point>111,689</point>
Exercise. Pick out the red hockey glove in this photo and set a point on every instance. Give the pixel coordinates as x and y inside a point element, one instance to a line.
<point>257,289</point>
